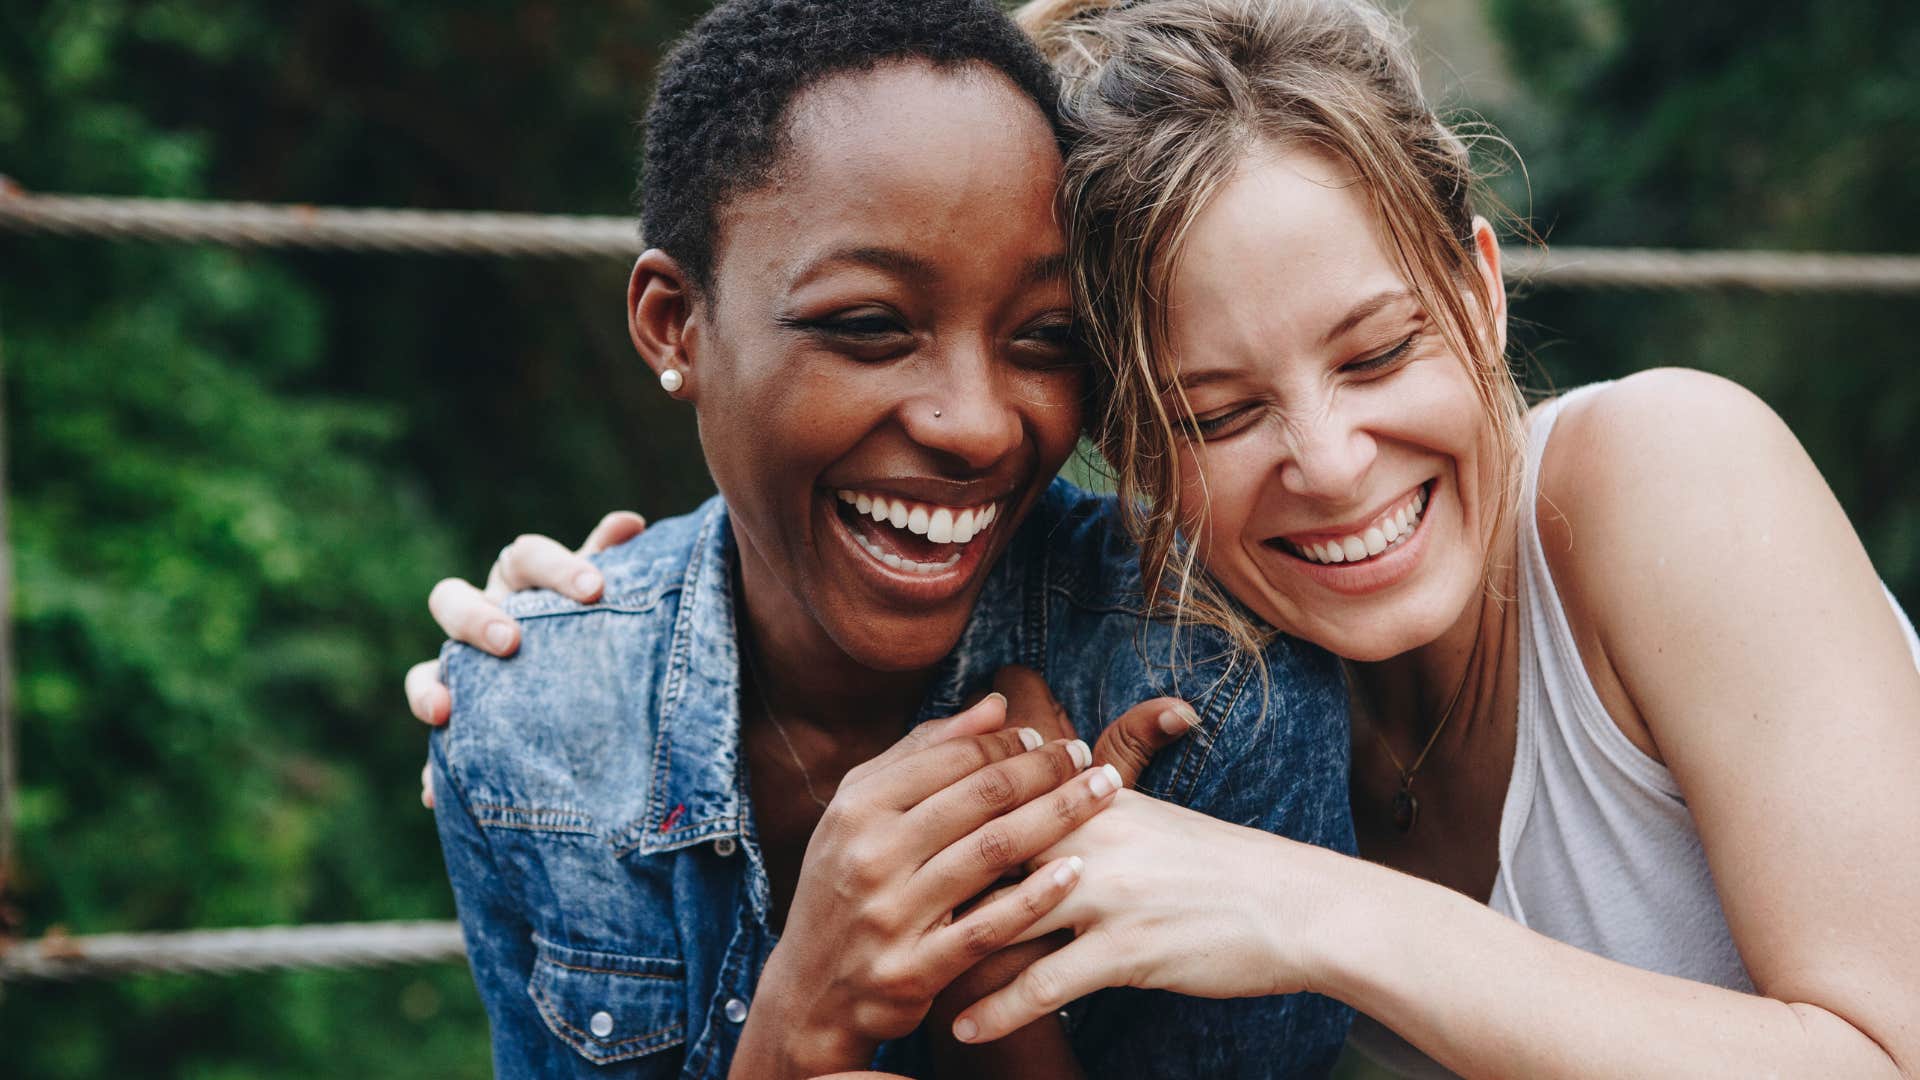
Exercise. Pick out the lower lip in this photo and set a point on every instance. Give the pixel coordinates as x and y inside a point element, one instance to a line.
<point>905,587</point>
<point>1383,571</point>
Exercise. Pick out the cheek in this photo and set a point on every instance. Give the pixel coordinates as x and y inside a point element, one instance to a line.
<point>1053,403</point>
<point>1220,491</point>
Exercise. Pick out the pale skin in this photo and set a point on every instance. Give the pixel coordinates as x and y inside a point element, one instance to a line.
<point>1726,613</point>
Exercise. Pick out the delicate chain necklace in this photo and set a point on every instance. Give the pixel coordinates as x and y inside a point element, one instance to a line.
<point>766,710</point>
<point>1406,808</point>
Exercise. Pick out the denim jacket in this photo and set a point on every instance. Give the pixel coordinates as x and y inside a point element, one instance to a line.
<point>593,805</point>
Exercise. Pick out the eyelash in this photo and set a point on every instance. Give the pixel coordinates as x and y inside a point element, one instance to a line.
<point>1385,359</point>
<point>1212,426</point>
<point>878,329</point>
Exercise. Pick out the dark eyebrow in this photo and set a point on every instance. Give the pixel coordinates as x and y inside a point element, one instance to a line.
<point>888,260</point>
<point>1364,310</point>
<point>1047,268</point>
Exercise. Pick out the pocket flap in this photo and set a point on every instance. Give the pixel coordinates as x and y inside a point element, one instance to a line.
<point>607,1006</point>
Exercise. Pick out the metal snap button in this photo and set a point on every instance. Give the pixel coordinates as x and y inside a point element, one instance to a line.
<point>724,846</point>
<point>736,1010</point>
<point>601,1024</point>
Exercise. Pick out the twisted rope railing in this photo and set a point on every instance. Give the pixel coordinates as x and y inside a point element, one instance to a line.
<point>348,945</point>
<point>221,952</point>
<point>559,236</point>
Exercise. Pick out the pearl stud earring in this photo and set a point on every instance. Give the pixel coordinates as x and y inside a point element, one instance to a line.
<point>671,380</point>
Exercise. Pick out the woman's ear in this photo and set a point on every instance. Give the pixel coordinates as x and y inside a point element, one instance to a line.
<point>1486,249</point>
<point>661,320</point>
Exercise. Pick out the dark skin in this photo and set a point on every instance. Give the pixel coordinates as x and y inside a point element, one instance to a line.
<point>854,296</point>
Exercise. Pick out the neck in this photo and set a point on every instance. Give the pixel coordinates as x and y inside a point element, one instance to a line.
<point>1455,677</point>
<point>802,673</point>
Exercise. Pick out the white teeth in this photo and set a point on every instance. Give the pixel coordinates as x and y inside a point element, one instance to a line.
<point>939,526</point>
<point>963,529</point>
<point>863,503</point>
<point>917,521</point>
<point>986,517</point>
<point>897,514</point>
<point>1390,530</point>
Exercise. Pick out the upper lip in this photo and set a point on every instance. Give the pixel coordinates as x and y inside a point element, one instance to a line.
<point>1356,525</point>
<point>931,489</point>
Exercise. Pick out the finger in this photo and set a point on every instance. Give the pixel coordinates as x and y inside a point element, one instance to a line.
<point>1048,985</point>
<point>1030,703</point>
<point>987,714</point>
<point>1130,742</point>
<point>467,616</point>
<point>615,529</point>
<point>977,797</point>
<point>427,696</point>
<point>911,780</point>
<point>988,928</point>
<point>539,562</point>
<point>426,785</point>
<point>976,860</point>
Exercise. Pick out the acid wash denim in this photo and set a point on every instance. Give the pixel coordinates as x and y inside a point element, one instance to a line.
<point>593,806</point>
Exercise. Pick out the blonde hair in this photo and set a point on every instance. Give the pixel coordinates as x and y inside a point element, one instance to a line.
<point>1163,100</point>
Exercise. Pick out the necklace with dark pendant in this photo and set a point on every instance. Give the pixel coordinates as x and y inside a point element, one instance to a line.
<point>1406,808</point>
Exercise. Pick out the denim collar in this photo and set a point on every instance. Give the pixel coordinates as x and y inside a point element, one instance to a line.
<point>698,789</point>
<point>696,750</point>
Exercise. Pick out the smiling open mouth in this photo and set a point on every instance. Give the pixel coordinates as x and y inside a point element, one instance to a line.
<point>1378,537</point>
<point>913,537</point>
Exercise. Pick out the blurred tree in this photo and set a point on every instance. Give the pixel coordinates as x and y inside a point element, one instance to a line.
<point>1743,125</point>
<point>234,476</point>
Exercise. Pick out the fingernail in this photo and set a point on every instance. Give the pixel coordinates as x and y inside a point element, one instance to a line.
<point>586,583</point>
<point>965,1030</point>
<point>1175,722</point>
<point>1066,874</point>
<point>1077,750</point>
<point>1106,781</point>
<point>1030,738</point>
<point>499,636</point>
<point>996,694</point>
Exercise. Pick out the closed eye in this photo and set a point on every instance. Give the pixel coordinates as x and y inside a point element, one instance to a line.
<point>1221,424</point>
<point>1383,361</point>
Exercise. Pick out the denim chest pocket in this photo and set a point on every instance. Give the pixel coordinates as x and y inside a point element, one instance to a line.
<point>609,1007</point>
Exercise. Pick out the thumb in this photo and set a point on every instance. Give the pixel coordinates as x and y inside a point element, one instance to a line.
<point>1130,742</point>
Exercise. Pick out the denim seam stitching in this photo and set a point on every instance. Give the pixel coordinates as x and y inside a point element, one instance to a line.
<point>552,1016</point>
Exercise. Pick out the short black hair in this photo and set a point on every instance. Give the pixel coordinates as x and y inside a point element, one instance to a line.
<point>716,124</point>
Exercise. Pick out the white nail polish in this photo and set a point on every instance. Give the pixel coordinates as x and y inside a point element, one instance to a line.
<point>1065,874</point>
<point>1077,750</point>
<point>1106,781</point>
<point>1031,739</point>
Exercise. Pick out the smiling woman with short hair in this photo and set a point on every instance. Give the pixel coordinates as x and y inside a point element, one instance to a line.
<point>687,827</point>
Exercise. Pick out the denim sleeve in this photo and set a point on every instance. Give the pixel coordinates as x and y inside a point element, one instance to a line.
<point>499,940</point>
<point>1276,761</point>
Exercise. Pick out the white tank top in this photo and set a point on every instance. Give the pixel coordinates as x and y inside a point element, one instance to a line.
<point>1597,848</point>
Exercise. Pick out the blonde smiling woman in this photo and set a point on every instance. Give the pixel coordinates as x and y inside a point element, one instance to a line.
<point>1624,678</point>
<point>1636,722</point>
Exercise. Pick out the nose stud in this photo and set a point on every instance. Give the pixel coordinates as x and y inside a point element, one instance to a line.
<point>671,380</point>
<point>936,414</point>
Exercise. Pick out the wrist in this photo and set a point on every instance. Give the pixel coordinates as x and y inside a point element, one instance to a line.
<point>1371,923</point>
<point>793,1033</point>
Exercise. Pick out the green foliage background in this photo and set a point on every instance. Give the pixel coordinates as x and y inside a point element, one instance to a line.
<point>234,475</point>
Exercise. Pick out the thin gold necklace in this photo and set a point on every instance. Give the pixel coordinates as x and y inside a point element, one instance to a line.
<point>766,710</point>
<point>1406,808</point>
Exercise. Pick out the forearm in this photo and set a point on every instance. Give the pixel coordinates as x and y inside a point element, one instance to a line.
<point>1487,997</point>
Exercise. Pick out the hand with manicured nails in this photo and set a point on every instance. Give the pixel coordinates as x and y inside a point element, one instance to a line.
<point>1040,1049</point>
<point>910,836</point>
<point>1175,900</point>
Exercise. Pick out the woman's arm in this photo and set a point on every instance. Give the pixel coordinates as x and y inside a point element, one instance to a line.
<point>1738,610</point>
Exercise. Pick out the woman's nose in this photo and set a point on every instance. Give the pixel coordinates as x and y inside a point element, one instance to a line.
<point>967,413</point>
<point>1329,459</point>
